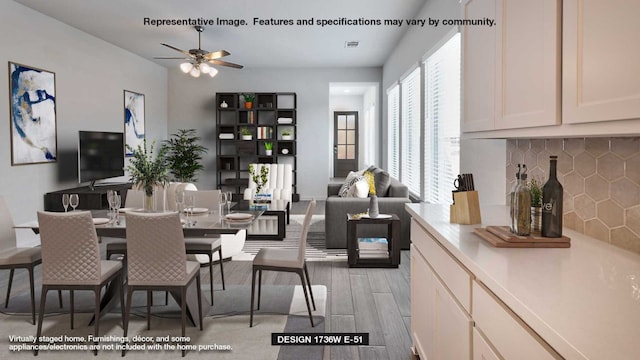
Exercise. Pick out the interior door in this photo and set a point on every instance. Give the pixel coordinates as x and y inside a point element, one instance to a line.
<point>345,142</point>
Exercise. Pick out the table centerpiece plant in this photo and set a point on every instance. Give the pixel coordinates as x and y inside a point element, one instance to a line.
<point>147,171</point>
<point>260,179</point>
<point>373,198</point>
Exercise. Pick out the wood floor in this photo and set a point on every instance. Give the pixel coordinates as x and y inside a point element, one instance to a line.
<point>375,301</point>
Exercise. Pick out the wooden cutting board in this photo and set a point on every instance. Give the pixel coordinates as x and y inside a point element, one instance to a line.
<point>532,242</point>
<point>505,234</point>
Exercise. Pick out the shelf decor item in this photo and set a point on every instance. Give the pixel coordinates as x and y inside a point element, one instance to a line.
<point>259,178</point>
<point>268,148</point>
<point>373,198</point>
<point>286,135</point>
<point>224,105</point>
<point>184,155</point>
<point>148,171</point>
<point>32,100</point>
<point>246,134</point>
<point>248,100</point>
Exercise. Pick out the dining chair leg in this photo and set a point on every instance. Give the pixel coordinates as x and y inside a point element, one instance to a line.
<point>127,314</point>
<point>6,301</point>
<point>253,290</point>
<point>43,300</point>
<point>306,274</point>
<point>221,268</point>
<point>199,287</point>
<point>149,295</point>
<point>259,287</point>
<point>211,275</point>
<point>33,295</point>
<point>71,307</point>
<point>120,281</point>
<point>60,298</point>
<point>96,292</point>
<point>166,298</point>
<point>306,295</point>
<point>183,308</point>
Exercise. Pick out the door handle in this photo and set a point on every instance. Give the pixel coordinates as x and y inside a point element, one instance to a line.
<point>335,149</point>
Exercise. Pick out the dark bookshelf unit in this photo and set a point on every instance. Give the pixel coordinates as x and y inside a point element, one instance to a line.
<point>271,115</point>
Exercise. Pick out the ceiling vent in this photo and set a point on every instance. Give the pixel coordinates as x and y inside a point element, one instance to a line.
<point>351,44</point>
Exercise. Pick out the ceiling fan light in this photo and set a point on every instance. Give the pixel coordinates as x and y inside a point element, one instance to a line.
<point>205,68</point>
<point>185,67</point>
<point>213,71</point>
<point>195,72</point>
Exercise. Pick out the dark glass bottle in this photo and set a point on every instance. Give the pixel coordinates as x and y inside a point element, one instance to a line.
<point>552,203</point>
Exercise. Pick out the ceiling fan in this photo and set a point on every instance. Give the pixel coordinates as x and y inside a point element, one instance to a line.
<point>198,60</point>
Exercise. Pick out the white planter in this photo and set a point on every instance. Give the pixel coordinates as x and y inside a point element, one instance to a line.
<point>268,152</point>
<point>287,137</point>
<point>247,137</point>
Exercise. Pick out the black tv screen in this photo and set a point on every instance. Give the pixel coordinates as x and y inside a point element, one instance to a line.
<point>100,155</point>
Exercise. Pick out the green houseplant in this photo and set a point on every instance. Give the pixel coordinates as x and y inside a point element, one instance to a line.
<point>536,204</point>
<point>268,148</point>
<point>286,134</point>
<point>184,155</point>
<point>248,100</point>
<point>147,170</point>
<point>259,178</point>
<point>246,133</point>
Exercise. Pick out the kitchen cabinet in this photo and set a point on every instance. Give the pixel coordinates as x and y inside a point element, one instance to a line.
<point>600,74</point>
<point>511,71</point>
<point>481,348</point>
<point>442,329</point>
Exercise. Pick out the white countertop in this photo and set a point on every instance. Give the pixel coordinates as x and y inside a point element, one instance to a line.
<point>584,300</point>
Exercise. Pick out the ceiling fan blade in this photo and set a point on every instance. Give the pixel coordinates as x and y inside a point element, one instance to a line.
<point>176,49</point>
<point>225,63</point>
<point>172,58</point>
<point>216,54</point>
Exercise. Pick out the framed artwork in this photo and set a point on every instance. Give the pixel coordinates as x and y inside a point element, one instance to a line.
<point>133,121</point>
<point>32,103</point>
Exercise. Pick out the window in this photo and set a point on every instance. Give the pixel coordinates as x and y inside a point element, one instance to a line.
<point>393,118</point>
<point>410,138</point>
<point>442,121</point>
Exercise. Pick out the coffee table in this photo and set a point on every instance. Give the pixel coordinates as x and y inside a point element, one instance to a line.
<point>271,224</point>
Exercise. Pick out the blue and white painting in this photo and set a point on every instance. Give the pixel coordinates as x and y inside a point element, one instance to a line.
<point>133,120</point>
<point>33,115</point>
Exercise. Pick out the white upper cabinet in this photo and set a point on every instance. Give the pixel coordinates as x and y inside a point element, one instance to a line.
<point>601,61</point>
<point>511,71</point>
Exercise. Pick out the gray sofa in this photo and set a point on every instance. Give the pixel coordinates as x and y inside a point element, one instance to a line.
<point>337,208</point>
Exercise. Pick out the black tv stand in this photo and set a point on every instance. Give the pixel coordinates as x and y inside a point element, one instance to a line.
<point>92,197</point>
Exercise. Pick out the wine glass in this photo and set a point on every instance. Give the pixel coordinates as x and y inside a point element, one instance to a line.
<point>110,200</point>
<point>222,201</point>
<point>117,202</point>
<point>73,201</point>
<point>229,200</point>
<point>179,201</point>
<point>65,201</point>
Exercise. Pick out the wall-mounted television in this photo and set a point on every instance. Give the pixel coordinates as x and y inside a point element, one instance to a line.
<point>100,155</point>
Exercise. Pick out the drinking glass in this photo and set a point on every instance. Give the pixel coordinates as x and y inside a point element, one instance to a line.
<point>117,202</point>
<point>110,200</point>
<point>189,201</point>
<point>229,201</point>
<point>73,201</point>
<point>222,201</point>
<point>65,201</point>
<point>179,201</point>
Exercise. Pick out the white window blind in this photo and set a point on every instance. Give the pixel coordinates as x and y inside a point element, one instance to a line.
<point>393,133</point>
<point>442,121</point>
<point>410,138</point>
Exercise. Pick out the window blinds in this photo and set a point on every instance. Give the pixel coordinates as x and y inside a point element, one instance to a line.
<point>410,139</point>
<point>393,134</point>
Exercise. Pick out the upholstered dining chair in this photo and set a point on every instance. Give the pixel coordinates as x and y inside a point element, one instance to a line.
<point>12,257</point>
<point>290,260</point>
<point>201,249</point>
<point>71,260</point>
<point>165,268</point>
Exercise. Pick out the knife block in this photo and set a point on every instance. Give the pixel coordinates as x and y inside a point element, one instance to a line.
<point>465,208</point>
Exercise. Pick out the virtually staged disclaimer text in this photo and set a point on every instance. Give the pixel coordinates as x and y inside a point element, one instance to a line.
<point>340,21</point>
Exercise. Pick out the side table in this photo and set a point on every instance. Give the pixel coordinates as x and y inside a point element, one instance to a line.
<point>393,241</point>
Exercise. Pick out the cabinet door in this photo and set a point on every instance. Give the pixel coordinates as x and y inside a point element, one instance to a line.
<point>528,68</point>
<point>481,348</point>
<point>601,54</point>
<point>440,328</point>
<point>479,66</point>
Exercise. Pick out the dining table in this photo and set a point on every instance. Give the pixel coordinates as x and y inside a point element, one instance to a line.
<point>196,224</point>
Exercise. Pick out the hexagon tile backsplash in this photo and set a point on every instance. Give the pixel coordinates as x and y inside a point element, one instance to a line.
<point>601,181</point>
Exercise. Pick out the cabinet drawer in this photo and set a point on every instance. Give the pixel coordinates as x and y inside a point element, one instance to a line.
<point>507,333</point>
<point>456,278</point>
<point>481,348</point>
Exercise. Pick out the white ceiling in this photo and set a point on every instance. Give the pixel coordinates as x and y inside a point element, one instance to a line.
<point>120,22</point>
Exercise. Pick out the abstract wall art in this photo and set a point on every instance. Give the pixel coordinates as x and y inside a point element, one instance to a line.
<point>133,120</point>
<point>32,98</point>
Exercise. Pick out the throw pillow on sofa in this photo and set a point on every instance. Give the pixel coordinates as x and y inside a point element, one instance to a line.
<point>382,180</point>
<point>349,182</point>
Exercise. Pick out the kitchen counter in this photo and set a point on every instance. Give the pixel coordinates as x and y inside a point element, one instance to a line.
<point>584,301</point>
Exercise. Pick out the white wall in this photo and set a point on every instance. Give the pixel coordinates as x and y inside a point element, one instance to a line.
<point>90,78</point>
<point>192,105</point>
<point>488,175</point>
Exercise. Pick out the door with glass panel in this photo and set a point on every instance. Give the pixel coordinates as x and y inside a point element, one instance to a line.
<point>345,142</point>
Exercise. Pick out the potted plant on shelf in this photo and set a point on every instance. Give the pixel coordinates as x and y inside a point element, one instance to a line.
<point>248,100</point>
<point>268,148</point>
<point>536,204</point>
<point>286,134</point>
<point>147,171</point>
<point>184,155</point>
<point>246,133</point>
